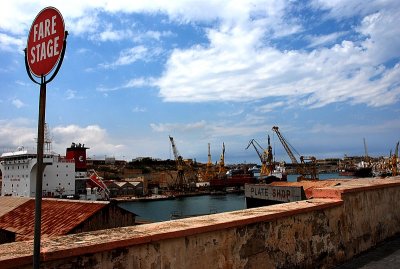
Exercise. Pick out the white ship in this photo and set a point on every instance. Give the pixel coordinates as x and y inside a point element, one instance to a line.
<point>64,177</point>
<point>19,174</point>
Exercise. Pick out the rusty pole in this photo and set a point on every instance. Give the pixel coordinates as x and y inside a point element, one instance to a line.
<point>39,174</point>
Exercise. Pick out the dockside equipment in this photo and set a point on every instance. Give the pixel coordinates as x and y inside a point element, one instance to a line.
<point>307,168</point>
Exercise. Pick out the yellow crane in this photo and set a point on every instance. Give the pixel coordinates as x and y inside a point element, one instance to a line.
<point>265,157</point>
<point>209,167</point>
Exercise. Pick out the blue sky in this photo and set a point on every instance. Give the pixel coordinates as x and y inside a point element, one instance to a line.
<point>326,72</point>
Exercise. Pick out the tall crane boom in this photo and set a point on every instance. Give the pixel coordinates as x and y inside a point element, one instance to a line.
<point>394,160</point>
<point>180,180</point>
<point>285,145</point>
<point>256,146</point>
<point>174,149</point>
<point>209,163</point>
<point>307,167</point>
<point>222,170</point>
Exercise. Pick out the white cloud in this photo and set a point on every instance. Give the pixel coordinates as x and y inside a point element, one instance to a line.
<point>383,35</point>
<point>17,132</point>
<point>249,126</point>
<point>22,132</point>
<point>72,94</point>
<point>17,103</point>
<point>323,40</point>
<point>131,55</point>
<point>93,136</point>
<point>87,24</point>
<point>139,109</point>
<point>172,127</point>
<point>10,43</point>
<point>339,9</point>
<point>238,66</point>
<point>270,107</point>
<point>133,83</point>
<point>110,35</point>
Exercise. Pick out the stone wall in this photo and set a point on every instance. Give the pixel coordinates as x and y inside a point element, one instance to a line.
<point>338,223</point>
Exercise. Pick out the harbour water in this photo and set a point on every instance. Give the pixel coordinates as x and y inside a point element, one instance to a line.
<point>195,205</point>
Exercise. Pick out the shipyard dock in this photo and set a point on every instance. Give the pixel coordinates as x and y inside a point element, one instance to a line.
<point>331,227</point>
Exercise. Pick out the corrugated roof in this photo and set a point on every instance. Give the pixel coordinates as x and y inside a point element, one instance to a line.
<point>58,217</point>
<point>8,203</point>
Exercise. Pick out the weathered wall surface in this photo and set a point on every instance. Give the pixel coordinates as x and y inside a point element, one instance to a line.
<point>338,223</point>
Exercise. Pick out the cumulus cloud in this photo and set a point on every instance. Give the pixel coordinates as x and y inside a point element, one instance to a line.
<point>238,66</point>
<point>92,136</point>
<point>11,43</point>
<point>23,132</point>
<point>17,132</point>
<point>241,62</point>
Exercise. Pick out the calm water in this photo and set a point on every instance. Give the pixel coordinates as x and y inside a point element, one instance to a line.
<point>162,210</point>
<point>206,204</point>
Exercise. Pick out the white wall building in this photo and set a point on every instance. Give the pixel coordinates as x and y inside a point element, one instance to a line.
<point>19,174</point>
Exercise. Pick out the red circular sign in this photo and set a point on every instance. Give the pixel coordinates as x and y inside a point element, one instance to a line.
<point>45,41</point>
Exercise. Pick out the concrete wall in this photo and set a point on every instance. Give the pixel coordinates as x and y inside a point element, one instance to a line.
<point>338,223</point>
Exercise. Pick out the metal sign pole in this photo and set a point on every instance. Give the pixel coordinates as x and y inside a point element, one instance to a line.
<point>39,174</point>
<point>41,67</point>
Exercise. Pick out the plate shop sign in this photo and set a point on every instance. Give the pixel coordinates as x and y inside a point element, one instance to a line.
<point>274,193</point>
<point>45,41</point>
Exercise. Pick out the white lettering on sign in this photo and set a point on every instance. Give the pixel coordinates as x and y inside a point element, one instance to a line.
<point>45,41</point>
<point>44,50</point>
<point>275,193</point>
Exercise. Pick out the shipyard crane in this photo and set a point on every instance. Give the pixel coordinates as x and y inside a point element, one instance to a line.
<point>265,157</point>
<point>222,169</point>
<point>367,158</point>
<point>180,179</point>
<point>394,160</point>
<point>209,173</point>
<point>307,167</point>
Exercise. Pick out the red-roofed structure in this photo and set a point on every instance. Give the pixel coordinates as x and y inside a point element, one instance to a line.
<point>61,217</point>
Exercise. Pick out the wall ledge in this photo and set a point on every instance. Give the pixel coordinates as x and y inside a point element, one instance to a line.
<point>356,185</point>
<point>20,253</point>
